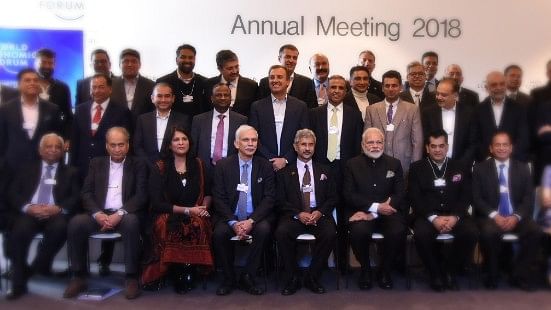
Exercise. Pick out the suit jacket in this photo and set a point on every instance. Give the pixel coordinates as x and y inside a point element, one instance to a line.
<point>134,185</point>
<point>289,194</point>
<point>464,133</point>
<point>5,177</point>
<point>196,89</point>
<point>350,135</point>
<point>247,93</point>
<point>201,133</point>
<point>368,181</point>
<point>428,99</point>
<point>262,118</point>
<point>84,146</point>
<point>15,145</point>
<point>541,94</point>
<point>350,100</point>
<point>142,96</point>
<point>7,94</point>
<point>375,88</point>
<point>302,88</point>
<point>61,96</point>
<point>522,98</point>
<point>405,143</point>
<point>468,97</point>
<point>145,134</point>
<point>486,188</point>
<point>513,121</point>
<point>26,181</point>
<point>452,199</point>
<point>225,195</point>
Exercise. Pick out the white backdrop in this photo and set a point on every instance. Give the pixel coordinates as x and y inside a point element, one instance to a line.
<point>494,33</point>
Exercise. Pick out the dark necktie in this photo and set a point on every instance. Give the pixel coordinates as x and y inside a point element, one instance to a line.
<point>242,202</point>
<point>503,208</point>
<point>389,114</point>
<point>306,182</point>
<point>45,189</point>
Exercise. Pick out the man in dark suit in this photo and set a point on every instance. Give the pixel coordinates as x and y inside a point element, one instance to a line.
<point>114,196</point>
<point>319,68</point>
<point>513,81</point>
<point>503,202</point>
<point>466,96</point>
<point>132,89</point>
<point>543,93</point>
<point>359,97</point>
<point>188,86</point>
<point>54,90</point>
<point>300,86</point>
<point>499,113</point>
<point>7,94</point>
<point>243,90</point>
<point>42,196</point>
<point>243,195</point>
<point>101,64</point>
<point>152,133</point>
<point>367,59</point>
<point>23,121</point>
<point>374,192</point>
<point>416,92</point>
<point>306,197</point>
<point>457,120</point>
<point>430,62</point>
<point>440,194</point>
<point>277,118</point>
<point>212,132</point>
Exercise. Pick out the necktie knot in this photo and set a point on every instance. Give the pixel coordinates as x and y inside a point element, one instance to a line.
<point>98,108</point>
<point>221,116</point>
<point>501,166</point>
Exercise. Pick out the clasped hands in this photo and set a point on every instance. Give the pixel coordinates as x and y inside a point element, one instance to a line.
<point>43,211</point>
<point>243,228</point>
<point>307,218</point>
<point>108,222</point>
<point>444,224</point>
<point>506,223</point>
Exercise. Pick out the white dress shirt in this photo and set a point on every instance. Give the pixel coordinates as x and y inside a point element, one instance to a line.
<point>448,124</point>
<point>279,107</point>
<point>233,88</point>
<point>506,175</point>
<point>215,120</point>
<point>498,111</point>
<point>162,123</point>
<point>414,93</point>
<point>30,117</point>
<point>130,90</point>
<point>113,199</point>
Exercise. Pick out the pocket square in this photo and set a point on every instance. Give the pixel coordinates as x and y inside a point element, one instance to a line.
<point>259,180</point>
<point>456,178</point>
<point>323,177</point>
<point>389,174</point>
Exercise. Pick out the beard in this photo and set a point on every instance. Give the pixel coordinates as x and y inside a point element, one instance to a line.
<point>374,155</point>
<point>185,68</point>
<point>46,73</point>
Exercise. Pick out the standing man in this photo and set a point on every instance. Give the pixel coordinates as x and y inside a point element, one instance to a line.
<point>360,97</point>
<point>466,96</point>
<point>319,68</point>
<point>212,132</point>
<point>300,86</point>
<point>8,93</point>
<point>243,195</point>
<point>277,118</point>
<point>430,62</point>
<point>101,63</point>
<point>513,81</point>
<point>367,59</point>
<point>243,90</point>
<point>306,197</point>
<point>416,91</point>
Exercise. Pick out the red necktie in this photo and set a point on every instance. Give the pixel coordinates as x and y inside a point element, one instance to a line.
<point>96,119</point>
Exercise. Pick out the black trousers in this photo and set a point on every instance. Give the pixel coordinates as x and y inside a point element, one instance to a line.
<point>286,233</point>
<point>83,225</point>
<point>393,228</point>
<point>23,231</point>
<point>224,247</point>
<point>437,261</point>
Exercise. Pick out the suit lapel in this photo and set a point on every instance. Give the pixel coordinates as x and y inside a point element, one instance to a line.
<point>293,178</point>
<point>232,129</point>
<point>381,110</point>
<point>103,180</point>
<point>400,111</point>
<point>126,179</point>
<point>317,183</point>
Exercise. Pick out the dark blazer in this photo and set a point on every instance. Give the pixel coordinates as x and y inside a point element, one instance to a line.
<point>84,146</point>
<point>351,133</point>
<point>513,121</point>
<point>145,134</point>
<point>247,93</point>
<point>375,88</point>
<point>134,185</point>
<point>427,199</point>
<point>200,103</point>
<point>289,194</point>
<point>225,195</point>
<point>142,96</point>
<point>15,145</point>
<point>349,100</point>
<point>523,99</point>
<point>468,97</point>
<point>262,118</point>
<point>7,94</point>
<point>464,133</point>
<point>486,188</point>
<point>367,181</point>
<point>26,181</point>
<point>201,132</point>
<point>61,96</point>
<point>428,99</point>
<point>302,88</point>
<point>5,177</point>
<point>541,94</point>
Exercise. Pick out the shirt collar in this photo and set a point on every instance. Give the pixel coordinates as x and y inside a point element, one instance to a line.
<point>317,82</point>
<point>45,164</point>
<point>102,104</point>
<point>242,162</point>
<point>233,83</point>
<point>162,117</point>
<point>300,164</point>
<point>450,110</point>
<point>394,104</point>
<point>330,107</point>
<point>494,103</point>
<point>115,164</point>
<point>274,99</point>
<point>216,113</point>
<point>502,162</point>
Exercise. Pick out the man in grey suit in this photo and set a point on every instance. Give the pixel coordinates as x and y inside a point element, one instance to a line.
<point>513,81</point>
<point>212,131</point>
<point>399,120</point>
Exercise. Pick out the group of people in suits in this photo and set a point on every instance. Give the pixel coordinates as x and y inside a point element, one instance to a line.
<point>185,167</point>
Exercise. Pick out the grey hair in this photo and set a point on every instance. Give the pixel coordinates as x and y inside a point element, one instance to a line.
<point>119,129</point>
<point>242,129</point>
<point>304,133</point>
<point>373,130</point>
<point>50,135</point>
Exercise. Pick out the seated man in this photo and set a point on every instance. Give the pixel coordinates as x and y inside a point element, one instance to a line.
<point>114,196</point>
<point>440,194</point>
<point>503,198</point>
<point>306,197</point>
<point>243,195</point>
<point>374,192</point>
<point>42,195</point>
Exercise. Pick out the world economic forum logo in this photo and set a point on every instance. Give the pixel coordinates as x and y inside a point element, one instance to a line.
<point>68,10</point>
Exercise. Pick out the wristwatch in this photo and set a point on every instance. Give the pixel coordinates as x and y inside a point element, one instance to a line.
<point>121,212</point>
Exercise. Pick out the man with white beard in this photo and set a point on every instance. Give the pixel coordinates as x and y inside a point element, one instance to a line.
<point>374,192</point>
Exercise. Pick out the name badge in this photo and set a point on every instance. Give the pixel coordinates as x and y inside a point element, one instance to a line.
<point>307,189</point>
<point>50,181</point>
<point>187,98</point>
<point>333,130</point>
<point>95,126</point>
<point>439,182</point>
<point>503,189</point>
<point>184,182</point>
<point>113,186</point>
<point>390,127</point>
<point>28,126</point>
<point>242,187</point>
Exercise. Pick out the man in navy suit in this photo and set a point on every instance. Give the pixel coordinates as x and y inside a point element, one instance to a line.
<point>152,132</point>
<point>277,118</point>
<point>212,132</point>
<point>243,196</point>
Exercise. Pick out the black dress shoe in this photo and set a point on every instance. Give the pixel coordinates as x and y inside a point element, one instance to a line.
<point>291,287</point>
<point>364,282</point>
<point>225,288</point>
<point>313,285</point>
<point>524,285</point>
<point>451,282</point>
<point>246,283</point>
<point>16,293</point>
<point>104,270</point>
<point>385,281</point>
<point>490,283</point>
<point>436,284</point>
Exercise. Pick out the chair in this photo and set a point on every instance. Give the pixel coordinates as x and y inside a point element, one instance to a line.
<point>113,236</point>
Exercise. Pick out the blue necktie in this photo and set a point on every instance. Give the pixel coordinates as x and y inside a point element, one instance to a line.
<point>242,202</point>
<point>503,208</point>
<point>45,190</point>
<point>389,114</point>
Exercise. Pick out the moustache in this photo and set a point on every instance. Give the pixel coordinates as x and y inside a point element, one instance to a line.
<point>322,70</point>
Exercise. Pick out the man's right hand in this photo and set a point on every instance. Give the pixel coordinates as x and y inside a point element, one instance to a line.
<point>385,208</point>
<point>361,216</point>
